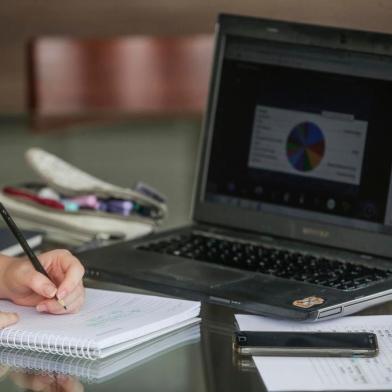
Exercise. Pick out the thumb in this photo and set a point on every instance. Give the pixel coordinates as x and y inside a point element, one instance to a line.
<point>41,285</point>
<point>7,319</point>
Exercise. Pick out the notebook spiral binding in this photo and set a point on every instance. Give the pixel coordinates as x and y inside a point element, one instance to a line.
<point>48,343</point>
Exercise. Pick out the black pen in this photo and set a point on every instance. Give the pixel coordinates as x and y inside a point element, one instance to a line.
<point>25,246</point>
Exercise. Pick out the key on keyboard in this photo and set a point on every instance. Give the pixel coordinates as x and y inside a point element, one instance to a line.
<point>279,262</point>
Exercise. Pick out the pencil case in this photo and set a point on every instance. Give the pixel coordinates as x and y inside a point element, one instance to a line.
<point>149,207</point>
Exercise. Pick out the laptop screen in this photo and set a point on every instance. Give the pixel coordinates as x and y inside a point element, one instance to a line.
<point>303,131</point>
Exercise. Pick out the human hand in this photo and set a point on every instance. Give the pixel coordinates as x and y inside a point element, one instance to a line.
<point>45,382</point>
<point>23,285</point>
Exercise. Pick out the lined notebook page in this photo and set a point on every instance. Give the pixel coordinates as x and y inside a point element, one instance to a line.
<point>326,374</point>
<point>106,319</point>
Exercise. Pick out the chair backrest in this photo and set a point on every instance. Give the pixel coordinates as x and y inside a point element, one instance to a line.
<point>96,79</point>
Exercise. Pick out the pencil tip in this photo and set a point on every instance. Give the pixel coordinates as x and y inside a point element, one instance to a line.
<point>61,302</point>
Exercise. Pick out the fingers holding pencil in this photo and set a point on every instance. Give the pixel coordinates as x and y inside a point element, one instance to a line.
<point>25,286</point>
<point>67,273</point>
<point>73,301</point>
<point>65,270</point>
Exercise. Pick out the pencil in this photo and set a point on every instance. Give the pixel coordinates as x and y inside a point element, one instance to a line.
<point>25,246</point>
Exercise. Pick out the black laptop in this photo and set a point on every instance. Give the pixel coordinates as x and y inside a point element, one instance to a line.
<point>293,208</point>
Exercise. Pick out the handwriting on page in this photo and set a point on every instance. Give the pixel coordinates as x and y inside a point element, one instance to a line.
<point>327,374</point>
<point>114,315</point>
<point>359,371</point>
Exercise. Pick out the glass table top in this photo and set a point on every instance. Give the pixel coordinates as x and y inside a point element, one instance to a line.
<point>204,362</point>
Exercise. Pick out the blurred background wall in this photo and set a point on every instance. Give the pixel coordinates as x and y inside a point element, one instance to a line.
<point>23,19</point>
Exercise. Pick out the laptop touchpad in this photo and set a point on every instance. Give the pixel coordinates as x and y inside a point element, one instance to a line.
<point>200,275</point>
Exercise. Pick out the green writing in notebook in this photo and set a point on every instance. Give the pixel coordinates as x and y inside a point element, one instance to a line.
<point>109,322</point>
<point>111,316</point>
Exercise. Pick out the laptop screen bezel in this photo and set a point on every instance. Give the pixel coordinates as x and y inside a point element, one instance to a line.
<point>266,223</point>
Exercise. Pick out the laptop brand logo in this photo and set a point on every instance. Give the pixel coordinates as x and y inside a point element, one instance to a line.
<point>315,232</point>
<point>308,302</point>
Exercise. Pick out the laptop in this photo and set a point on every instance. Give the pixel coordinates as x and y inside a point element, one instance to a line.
<point>292,213</point>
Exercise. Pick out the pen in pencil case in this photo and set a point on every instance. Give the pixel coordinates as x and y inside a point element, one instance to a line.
<point>148,212</point>
<point>42,198</point>
<point>16,192</point>
<point>85,201</point>
<point>126,207</point>
<point>117,206</point>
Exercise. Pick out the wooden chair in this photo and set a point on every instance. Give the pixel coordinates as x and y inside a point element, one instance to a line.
<point>77,80</point>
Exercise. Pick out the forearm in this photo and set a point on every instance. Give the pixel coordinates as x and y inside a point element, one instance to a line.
<point>4,264</point>
<point>6,318</point>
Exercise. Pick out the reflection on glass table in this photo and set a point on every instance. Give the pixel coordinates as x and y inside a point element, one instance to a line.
<point>159,364</point>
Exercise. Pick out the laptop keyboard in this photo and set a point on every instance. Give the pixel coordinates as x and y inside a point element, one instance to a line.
<point>278,262</point>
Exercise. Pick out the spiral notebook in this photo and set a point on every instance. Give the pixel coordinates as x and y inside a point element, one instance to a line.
<point>103,369</point>
<point>109,322</point>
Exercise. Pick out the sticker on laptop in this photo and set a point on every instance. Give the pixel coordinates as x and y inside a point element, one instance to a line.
<point>308,302</point>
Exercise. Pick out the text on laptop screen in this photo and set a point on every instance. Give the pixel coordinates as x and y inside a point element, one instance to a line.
<point>303,131</point>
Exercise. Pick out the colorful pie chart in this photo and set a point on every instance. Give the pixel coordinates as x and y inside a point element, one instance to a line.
<point>305,146</point>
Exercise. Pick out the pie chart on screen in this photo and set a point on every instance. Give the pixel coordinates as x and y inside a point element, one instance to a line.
<point>305,146</point>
